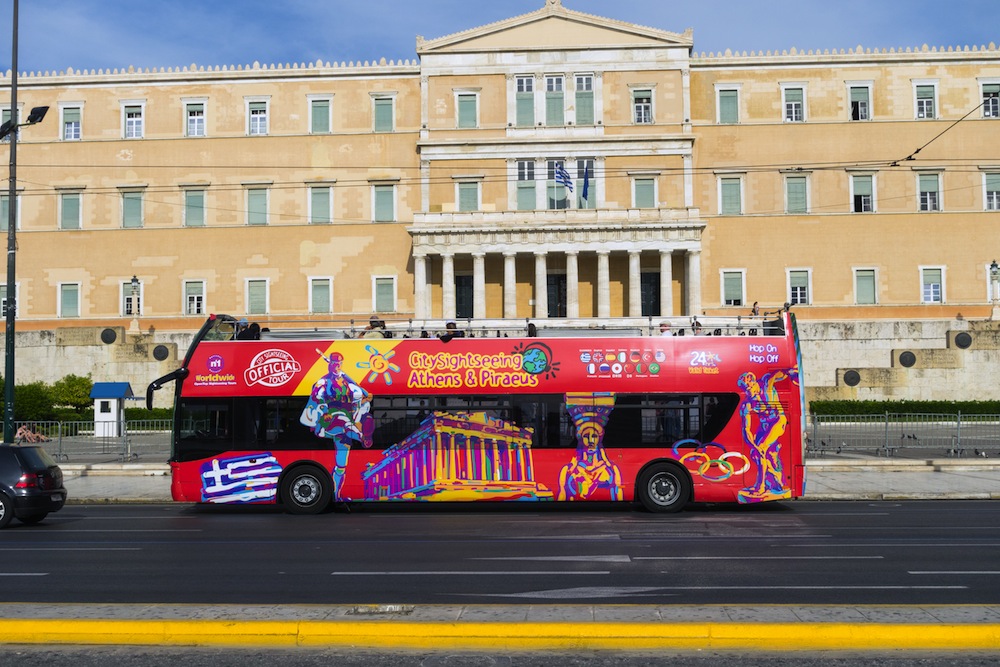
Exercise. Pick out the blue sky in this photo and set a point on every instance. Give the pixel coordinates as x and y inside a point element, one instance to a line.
<point>103,34</point>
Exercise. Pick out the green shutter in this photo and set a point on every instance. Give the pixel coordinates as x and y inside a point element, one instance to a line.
<point>320,116</point>
<point>192,288</point>
<point>383,114</point>
<point>796,193</point>
<point>798,278</point>
<point>131,209</point>
<point>928,182</point>
<point>70,211</point>
<point>859,94</point>
<point>554,109</point>
<point>468,196</point>
<point>321,296</point>
<point>4,212</point>
<point>71,115</point>
<point>525,109</point>
<point>645,193</point>
<point>925,92</point>
<point>257,297</point>
<point>194,208</point>
<point>863,185</point>
<point>991,88</point>
<point>992,184</point>
<point>319,205</point>
<point>585,107</point>
<point>384,204</point>
<point>793,94</point>
<point>69,297</point>
<point>731,204</point>
<point>729,111</point>
<point>732,285</point>
<point>257,207</point>
<point>865,286</point>
<point>526,200</point>
<point>466,111</point>
<point>385,296</point>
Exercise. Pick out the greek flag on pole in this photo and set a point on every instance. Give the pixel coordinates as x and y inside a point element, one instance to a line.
<point>562,177</point>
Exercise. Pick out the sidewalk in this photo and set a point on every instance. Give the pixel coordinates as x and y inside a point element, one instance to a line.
<point>826,479</point>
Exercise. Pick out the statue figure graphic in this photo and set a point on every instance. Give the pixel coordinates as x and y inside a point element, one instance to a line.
<point>764,422</point>
<point>590,474</point>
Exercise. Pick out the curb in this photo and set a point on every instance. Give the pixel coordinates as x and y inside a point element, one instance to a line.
<point>512,636</point>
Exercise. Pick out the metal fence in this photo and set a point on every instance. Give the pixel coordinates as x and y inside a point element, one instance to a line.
<point>100,442</point>
<point>904,435</point>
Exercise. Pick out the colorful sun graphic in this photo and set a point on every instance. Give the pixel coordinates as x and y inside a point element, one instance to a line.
<point>536,359</point>
<point>379,364</point>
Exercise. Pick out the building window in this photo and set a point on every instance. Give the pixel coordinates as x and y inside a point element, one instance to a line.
<point>320,205</point>
<point>798,287</point>
<point>930,192</point>
<point>131,304</point>
<point>195,112</point>
<point>932,285</point>
<point>69,300</point>
<point>559,185</point>
<point>133,120</point>
<point>71,123</point>
<point>644,192</point>
<point>321,295</point>
<point>467,196</point>
<point>991,100</point>
<point>526,200</point>
<point>862,186</point>
<point>525,101</point>
<point>383,109</point>
<point>194,297</point>
<point>795,105</point>
<point>796,194</point>
<point>194,208</point>
<point>257,296</point>
<point>860,103</point>
<point>468,110</point>
<point>925,94</point>
<point>732,288</point>
<point>384,203</point>
<point>3,298</point>
<point>5,212</point>
<point>70,210</point>
<point>384,294</point>
<point>584,99</point>
<point>649,293</point>
<point>319,116</point>
<point>555,114</point>
<point>991,186</point>
<point>586,194</point>
<point>730,196</point>
<point>257,118</point>
<point>5,117</point>
<point>642,106</point>
<point>131,210</point>
<point>865,292</point>
<point>729,106</point>
<point>256,206</point>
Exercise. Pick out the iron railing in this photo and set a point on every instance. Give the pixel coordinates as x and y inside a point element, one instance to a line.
<point>100,442</point>
<point>904,435</point>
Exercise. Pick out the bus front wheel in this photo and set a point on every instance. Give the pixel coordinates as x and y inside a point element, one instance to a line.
<point>663,487</point>
<point>306,490</point>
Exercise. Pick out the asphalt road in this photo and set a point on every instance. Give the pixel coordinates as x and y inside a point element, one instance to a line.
<point>791,553</point>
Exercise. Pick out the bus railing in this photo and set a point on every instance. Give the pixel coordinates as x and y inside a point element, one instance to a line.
<point>904,435</point>
<point>99,442</point>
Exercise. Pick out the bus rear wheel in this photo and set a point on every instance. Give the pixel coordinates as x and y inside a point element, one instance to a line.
<point>663,487</point>
<point>306,490</point>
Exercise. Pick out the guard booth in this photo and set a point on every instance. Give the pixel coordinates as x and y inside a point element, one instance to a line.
<point>109,407</point>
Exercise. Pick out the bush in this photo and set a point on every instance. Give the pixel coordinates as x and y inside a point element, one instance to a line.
<point>904,407</point>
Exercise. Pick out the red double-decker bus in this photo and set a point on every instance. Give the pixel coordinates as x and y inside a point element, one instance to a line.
<point>308,420</point>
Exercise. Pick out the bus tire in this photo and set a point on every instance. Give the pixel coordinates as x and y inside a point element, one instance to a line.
<point>306,490</point>
<point>663,487</point>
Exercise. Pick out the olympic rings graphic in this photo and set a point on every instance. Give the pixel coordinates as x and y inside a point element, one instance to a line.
<point>703,462</point>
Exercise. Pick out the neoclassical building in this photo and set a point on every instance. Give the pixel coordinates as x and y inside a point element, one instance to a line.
<point>555,165</point>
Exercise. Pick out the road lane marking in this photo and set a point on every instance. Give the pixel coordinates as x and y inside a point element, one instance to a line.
<point>24,574</point>
<point>583,559</point>
<point>906,545</point>
<point>811,588</point>
<point>473,573</point>
<point>758,557</point>
<point>986,572</point>
<point>75,549</point>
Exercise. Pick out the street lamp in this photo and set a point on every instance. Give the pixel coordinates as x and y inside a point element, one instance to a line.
<point>10,129</point>
<point>995,289</point>
<point>134,327</point>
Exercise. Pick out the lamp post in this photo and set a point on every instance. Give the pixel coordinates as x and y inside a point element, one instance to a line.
<point>134,327</point>
<point>995,289</point>
<point>10,129</point>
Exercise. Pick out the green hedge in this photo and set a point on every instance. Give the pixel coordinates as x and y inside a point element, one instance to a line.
<point>904,407</point>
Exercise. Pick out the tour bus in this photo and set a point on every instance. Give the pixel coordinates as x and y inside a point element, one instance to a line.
<point>308,418</point>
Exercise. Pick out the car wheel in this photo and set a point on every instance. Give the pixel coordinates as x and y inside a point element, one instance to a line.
<point>6,510</point>
<point>663,487</point>
<point>32,519</point>
<point>306,490</point>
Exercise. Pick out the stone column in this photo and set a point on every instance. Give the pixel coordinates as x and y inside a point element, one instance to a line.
<point>448,286</point>
<point>420,287</point>
<point>572,285</point>
<point>541,286</point>
<point>603,284</point>
<point>634,284</point>
<point>509,285</point>
<point>479,285</point>
<point>694,282</point>
<point>666,283</point>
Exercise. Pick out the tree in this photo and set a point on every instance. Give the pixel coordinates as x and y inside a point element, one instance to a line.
<point>72,391</point>
<point>33,402</point>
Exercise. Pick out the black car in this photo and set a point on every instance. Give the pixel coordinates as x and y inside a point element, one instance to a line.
<point>31,484</point>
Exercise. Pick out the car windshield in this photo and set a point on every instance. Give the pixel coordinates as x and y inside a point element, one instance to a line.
<point>35,458</point>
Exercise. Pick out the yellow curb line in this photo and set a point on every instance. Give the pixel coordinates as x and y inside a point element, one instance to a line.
<point>481,635</point>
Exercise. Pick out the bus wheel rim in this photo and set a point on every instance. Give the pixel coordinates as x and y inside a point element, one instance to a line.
<point>663,488</point>
<point>305,490</point>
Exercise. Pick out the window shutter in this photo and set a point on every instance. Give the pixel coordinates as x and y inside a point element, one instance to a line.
<point>192,288</point>
<point>194,208</point>
<point>70,300</point>
<point>991,88</point>
<point>71,211</point>
<point>384,295</point>
<point>468,196</point>
<point>71,115</point>
<point>554,109</point>
<point>928,182</point>
<point>384,203</point>
<point>131,209</point>
<point>993,182</point>
<point>859,94</point>
<point>466,111</point>
<point>733,287</point>
<point>729,106</point>
<point>257,207</point>
<point>257,297</point>
<point>798,278</point>
<point>585,107</point>
<point>796,191</point>
<point>321,116</point>
<point>383,115</point>
<point>925,92</point>
<point>319,205</point>
<point>4,212</point>
<point>526,196</point>
<point>731,196</point>
<point>321,296</point>
<point>645,193</point>
<point>863,185</point>
<point>793,94</point>
<point>865,280</point>
<point>932,276</point>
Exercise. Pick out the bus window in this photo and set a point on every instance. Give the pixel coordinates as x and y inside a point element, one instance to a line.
<point>546,414</point>
<point>203,428</point>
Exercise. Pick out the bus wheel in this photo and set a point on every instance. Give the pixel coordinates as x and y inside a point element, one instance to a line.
<point>663,487</point>
<point>306,490</point>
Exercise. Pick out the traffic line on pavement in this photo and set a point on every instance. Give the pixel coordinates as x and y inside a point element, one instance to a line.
<point>758,557</point>
<point>990,572</point>
<point>24,574</point>
<point>473,573</point>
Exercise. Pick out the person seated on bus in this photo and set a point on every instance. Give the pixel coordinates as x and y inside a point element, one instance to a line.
<point>375,329</point>
<point>451,331</point>
<point>247,331</point>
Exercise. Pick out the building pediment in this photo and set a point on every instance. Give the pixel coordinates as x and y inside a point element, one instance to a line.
<point>554,27</point>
